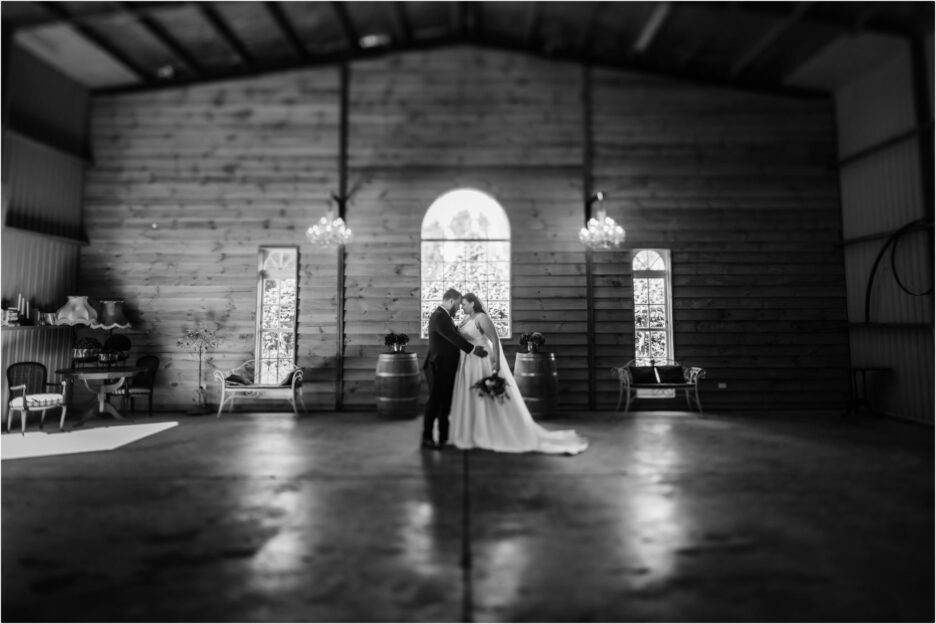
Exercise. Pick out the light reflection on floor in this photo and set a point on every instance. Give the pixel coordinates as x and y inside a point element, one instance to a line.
<point>42,444</point>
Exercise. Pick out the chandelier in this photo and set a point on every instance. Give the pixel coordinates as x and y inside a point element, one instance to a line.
<point>602,232</point>
<point>329,232</point>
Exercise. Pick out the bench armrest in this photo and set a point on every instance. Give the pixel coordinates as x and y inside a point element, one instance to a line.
<point>623,375</point>
<point>694,374</point>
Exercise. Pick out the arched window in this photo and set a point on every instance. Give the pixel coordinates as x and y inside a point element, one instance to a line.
<point>653,306</point>
<point>466,246</point>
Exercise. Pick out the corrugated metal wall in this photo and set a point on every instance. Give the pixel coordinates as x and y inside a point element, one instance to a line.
<point>42,216</point>
<point>49,345</point>
<point>45,188</point>
<point>882,190</point>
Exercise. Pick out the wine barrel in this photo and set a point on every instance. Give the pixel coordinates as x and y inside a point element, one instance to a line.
<point>538,382</point>
<point>398,379</point>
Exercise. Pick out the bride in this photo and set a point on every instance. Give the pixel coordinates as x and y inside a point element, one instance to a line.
<point>484,422</point>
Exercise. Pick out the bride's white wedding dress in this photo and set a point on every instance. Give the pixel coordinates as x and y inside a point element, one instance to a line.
<point>505,426</point>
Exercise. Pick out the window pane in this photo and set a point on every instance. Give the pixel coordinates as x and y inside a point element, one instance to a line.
<point>657,316</point>
<point>641,291</point>
<point>432,293</point>
<point>453,273</point>
<point>431,271</point>
<point>641,316</point>
<point>657,291</point>
<point>500,271</point>
<point>641,344</point>
<point>499,252</point>
<point>276,338</point>
<point>287,292</point>
<point>270,317</point>
<point>471,261</point>
<point>658,344</point>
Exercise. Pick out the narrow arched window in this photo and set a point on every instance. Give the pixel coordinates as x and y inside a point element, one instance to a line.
<point>653,306</point>
<point>466,245</point>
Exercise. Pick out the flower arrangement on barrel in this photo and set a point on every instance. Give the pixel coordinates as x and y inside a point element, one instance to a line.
<point>532,341</point>
<point>494,387</point>
<point>396,342</point>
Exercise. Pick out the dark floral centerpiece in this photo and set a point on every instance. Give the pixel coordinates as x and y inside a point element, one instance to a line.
<point>396,342</point>
<point>532,341</point>
<point>200,341</point>
<point>86,349</point>
<point>493,386</point>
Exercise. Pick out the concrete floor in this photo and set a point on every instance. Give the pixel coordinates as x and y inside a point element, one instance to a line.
<point>339,517</point>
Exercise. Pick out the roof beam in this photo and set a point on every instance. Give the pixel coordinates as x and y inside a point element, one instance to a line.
<point>652,27</point>
<point>286,27</point>
<point>89,10</point>
<point>402,22</point>
<point>162,35</point>
<point>347,27</point>
<point>869,20</point>
<point>57,9</point>
<point>534,16</point>
<point>225,31</point>
<point>769,38</point>
<point>587,41</point>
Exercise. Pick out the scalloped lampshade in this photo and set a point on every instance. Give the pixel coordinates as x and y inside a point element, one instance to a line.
<point>112,317</point>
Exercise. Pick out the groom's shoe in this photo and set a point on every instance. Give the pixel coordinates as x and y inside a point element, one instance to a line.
<point>429,444</point>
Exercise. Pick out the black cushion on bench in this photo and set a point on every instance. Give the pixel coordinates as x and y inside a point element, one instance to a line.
<point>671,374</point>
<point>643,374</point>
<point>236,380</point>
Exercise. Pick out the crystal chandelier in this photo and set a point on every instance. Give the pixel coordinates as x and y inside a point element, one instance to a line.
<point>329,232</point>
<point>602,232</point>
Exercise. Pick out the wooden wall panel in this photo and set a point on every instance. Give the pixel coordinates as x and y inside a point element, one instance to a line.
<point>737,185</point>
<point>740,188</point>
<point>187,185</point>
<point>424,124</point>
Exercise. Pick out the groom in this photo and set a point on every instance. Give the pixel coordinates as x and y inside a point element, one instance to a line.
<point>441,365</point>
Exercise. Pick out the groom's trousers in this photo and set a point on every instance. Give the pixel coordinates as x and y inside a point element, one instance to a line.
<point>441,378</point>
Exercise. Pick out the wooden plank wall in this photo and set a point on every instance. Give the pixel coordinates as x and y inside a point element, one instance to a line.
<point>187,185</point>
<point>741,188</point>
<point>425,124</point>
<point>737,185</point>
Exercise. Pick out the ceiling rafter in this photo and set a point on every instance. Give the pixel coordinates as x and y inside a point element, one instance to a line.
<point>534,17</point>
<point>870,19</point>
<point>652,27</point>
<point>347,26</point>
<point>56,9</point>
<point>224,30</point>
<point>587,40</point>
<point>155,28</point>
<point>769,38</point>
<point>285,26</point>
<point>401,20</point>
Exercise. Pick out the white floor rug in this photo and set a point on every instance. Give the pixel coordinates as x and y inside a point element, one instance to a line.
<point>40,444</point>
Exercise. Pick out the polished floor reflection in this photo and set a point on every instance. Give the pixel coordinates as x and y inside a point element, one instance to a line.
<point>340,517</point>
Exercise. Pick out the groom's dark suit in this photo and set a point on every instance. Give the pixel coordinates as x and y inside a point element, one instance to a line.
<point>441,365</point>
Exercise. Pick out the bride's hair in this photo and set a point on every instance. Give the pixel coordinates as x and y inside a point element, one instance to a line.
<point>473,298</point>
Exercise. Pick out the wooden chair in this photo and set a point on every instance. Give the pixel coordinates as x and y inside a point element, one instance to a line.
<point>140,385</point>
<point>28,385</point>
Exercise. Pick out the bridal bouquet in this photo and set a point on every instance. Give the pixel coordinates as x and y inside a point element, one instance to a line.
<point>494,386</point>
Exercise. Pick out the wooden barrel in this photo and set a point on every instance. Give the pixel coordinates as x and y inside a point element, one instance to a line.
<point>538,382</point>
<point>398,379</point>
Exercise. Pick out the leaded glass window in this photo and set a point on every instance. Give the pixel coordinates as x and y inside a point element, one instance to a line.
<point>277,302</point>
<point>466,246</point>
<point>653,324</point>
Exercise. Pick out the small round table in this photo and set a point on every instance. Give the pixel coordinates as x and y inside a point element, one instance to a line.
<point>110,378</point>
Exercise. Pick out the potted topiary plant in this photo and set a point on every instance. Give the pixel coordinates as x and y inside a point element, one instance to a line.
<point>200,341</point>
